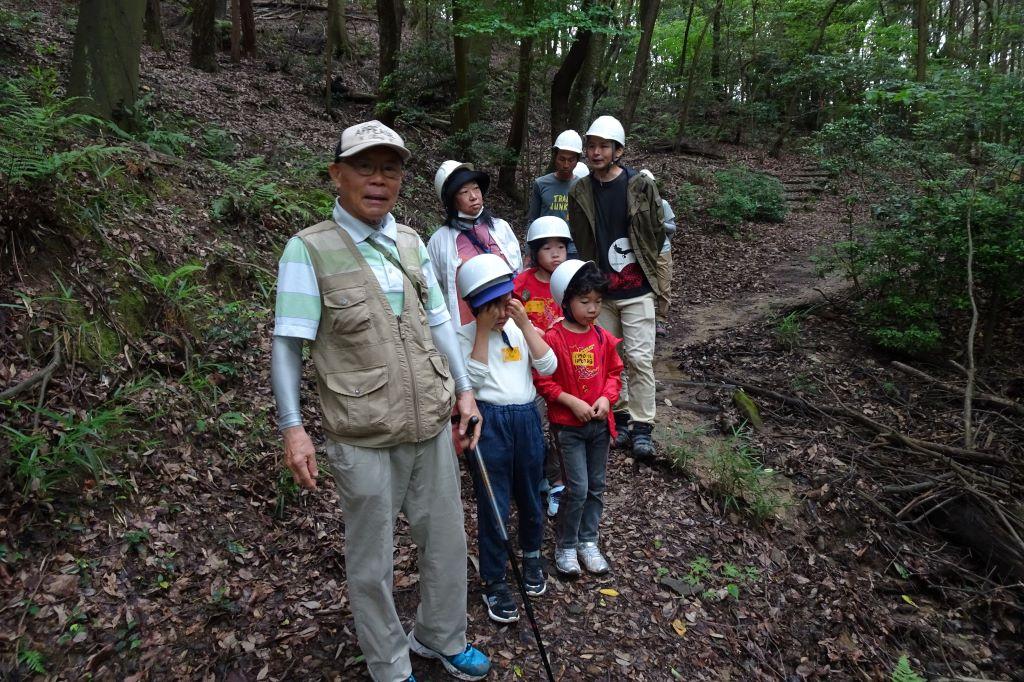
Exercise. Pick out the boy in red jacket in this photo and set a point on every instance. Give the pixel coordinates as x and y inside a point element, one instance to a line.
<point>579,396</point>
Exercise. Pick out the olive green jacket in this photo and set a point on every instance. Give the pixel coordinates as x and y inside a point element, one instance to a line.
<point>646,221</point>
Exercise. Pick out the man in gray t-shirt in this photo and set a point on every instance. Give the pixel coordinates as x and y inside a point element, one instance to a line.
<point>550,193</point>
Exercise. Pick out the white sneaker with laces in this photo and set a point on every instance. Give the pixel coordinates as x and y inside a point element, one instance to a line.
<point>592,559</point>
<point>554,498</point>
<point>566,562</point>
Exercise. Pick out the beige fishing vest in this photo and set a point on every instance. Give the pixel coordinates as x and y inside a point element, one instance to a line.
<point>381,380</point>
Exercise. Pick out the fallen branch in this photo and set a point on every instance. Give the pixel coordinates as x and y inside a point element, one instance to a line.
<point>41,375</point>
<point>988,398</point>
<point>882,430</point>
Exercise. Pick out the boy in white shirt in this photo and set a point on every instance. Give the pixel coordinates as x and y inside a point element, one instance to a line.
<point>502,348</point>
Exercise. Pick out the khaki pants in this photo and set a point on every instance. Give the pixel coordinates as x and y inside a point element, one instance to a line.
<point>632,319</point>
<point>422,481</point>
<point>664,283</point>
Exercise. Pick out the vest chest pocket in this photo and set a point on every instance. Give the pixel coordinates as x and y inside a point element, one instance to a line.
<point>346,310</point>
<point>355,402</point>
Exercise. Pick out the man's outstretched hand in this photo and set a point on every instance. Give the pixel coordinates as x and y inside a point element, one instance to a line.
<point>300,456</point>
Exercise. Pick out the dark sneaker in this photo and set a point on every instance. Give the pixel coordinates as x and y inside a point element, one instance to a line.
<point>643,446</point>
<point>533,576</point>
<point>500,607</point>
<point>470,664</point>
<point>660,329</point>
<point>622,440</point>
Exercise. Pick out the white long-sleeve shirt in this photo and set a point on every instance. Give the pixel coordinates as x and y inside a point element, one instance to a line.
<point>506,378</point>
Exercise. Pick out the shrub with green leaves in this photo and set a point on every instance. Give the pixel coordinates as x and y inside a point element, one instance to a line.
<point>744,194</point>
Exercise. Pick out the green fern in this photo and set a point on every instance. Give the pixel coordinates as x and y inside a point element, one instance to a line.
<point>34,136</point>
<point>904,673</point>
<point>33,660</point>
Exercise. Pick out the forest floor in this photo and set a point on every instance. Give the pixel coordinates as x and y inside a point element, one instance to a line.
<point>210,567</point>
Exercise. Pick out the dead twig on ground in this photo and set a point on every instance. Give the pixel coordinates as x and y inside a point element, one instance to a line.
<point>42,375</point>
<point>987,398</point>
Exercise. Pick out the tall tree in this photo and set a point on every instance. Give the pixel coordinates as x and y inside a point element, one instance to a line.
<point>248,28</point>
<point>105,57</point>
<point>236,31</point>
<point>561,83</point>
<point>638,79</point>
<point>389,34</point>
<point>152,22</point>
<point>581,96</point>
<point>684,110</point>
<point>520,110</point>
<point>921,54</point>
<point>337,29</point>
<point>204,35</point>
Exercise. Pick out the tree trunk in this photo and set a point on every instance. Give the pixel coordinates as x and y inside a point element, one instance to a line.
<point>460,50</point>
<point>681,66</point>
<point>154,30</point>
<point>332,8</point>
<point>581,96</point>
<point>204,35</point>
<point>520,111</point>
<point>684,111</point>
<point>389,32</point>
<point>105,58</point>
<point>337,29</point>
<point>236,32</point>
<point>638,78</point>
<point>248,29</point>
<point>716,55</point>
<point>921,56</point>
<point>561,83</point>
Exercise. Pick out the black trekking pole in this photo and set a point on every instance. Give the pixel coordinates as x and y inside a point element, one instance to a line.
<point>482,469</point>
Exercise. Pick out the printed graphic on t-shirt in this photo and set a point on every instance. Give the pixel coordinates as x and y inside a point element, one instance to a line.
<point>626,272</point>
<point>559,203</point>
<point>583,361</point>
<point>512,354</point>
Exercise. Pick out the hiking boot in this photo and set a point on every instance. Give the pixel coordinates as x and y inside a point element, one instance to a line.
<point>622,440</point>
<point>470,664</point>
<point>566,562</point>
<point>533,576</point>
<point>554,498</point>
<point>500,607</point>
<point>592,558</point>
<point>643,446</point>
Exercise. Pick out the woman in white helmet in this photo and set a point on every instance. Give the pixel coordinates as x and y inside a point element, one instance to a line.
<point>469,230</point>
<point>503,350</point>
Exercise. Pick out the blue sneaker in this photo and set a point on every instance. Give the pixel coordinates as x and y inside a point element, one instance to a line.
<point>471,664</point>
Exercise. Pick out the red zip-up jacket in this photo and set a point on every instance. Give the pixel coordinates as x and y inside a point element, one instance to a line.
<point>607,363</point>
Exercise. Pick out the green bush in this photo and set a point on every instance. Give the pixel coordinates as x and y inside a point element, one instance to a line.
<point>744,194</point>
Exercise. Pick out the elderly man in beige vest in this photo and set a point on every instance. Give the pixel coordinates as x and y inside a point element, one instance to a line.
<point>361,289</point>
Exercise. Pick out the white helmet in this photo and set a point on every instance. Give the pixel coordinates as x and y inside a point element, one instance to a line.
<point>648,173</point>
<point>609,128</point>
<point>580,170</point>
<point>563,275</point>
<point>570,141</point>
<point>484,278</point>
<point>446,169</point>
<point>548,227</point>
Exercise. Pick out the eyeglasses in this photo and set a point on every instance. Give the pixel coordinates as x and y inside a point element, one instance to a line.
<point>389,169</point>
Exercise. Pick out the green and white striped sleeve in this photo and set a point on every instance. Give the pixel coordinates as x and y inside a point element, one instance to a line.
<point>297,310</point>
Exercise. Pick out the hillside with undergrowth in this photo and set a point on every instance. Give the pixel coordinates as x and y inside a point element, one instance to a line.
<point>149,530</point>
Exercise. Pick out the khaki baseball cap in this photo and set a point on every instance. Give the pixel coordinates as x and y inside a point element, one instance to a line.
<point>362,136</point>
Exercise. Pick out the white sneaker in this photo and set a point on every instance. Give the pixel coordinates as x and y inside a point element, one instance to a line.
<point>566,562</point>
<point>592,559</point>
<point>554,498</point>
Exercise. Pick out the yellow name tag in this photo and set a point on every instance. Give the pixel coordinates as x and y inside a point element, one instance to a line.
<point>535,306</point>
<point>583,358</point>
<point>511,354</point>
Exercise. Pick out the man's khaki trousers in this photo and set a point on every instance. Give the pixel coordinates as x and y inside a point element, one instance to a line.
<point>422,481</point>
<point>632,319</point>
